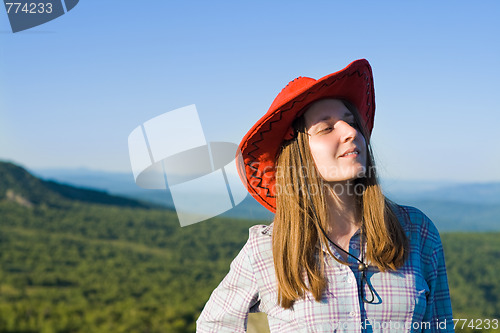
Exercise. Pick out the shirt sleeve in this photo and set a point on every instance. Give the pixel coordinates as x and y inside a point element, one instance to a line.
<point>438,312</point>
<point>237,295</point>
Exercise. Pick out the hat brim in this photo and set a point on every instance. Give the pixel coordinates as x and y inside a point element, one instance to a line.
<point>261,144</point>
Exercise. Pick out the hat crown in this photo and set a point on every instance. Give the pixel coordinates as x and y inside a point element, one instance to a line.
<point>291,90</point>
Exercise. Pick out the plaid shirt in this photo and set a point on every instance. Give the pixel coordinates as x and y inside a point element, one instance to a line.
<point>415,298</point>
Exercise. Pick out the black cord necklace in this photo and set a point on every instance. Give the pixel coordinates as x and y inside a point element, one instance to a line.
<point>362,267</point>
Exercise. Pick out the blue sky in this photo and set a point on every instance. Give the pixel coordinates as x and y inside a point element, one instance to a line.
<point>74,88</point>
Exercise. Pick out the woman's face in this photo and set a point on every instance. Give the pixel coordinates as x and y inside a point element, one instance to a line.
<point>338,147</point>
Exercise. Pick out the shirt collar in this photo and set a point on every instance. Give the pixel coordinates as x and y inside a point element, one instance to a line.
<point>268,230</point>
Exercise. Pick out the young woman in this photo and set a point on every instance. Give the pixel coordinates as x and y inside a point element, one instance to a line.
<point>339,256</point>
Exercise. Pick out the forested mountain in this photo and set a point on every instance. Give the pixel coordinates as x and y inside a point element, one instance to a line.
<point>19,185</point>
<point>103,264</point>
<point>74,262</point>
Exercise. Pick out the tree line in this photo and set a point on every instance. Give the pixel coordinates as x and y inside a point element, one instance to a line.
<point>86,267</point>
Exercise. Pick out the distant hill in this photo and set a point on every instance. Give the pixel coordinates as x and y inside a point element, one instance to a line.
<point>452,206</point>
<point>17,184</point>
<point>123,184</point>
<point>486,193</point>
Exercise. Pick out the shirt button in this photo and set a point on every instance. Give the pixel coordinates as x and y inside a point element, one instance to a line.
<point>354,246</point>
<point>352,314</point>
<point>350,280</point>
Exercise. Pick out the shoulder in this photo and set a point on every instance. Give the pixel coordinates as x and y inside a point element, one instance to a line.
<point>417,225</point>
<point>413,219</point>
<point>261,230</point>
<point>259,245</point>
<point>260,237</point>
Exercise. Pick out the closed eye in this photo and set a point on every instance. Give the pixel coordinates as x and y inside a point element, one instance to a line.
<point>325,130</point>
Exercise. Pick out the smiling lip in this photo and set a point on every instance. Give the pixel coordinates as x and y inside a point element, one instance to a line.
<point>348,152</point>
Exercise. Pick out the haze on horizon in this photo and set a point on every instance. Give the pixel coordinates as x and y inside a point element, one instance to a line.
<point>73,89</point>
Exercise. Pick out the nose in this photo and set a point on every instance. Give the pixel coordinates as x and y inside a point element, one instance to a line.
<point>349,133</point>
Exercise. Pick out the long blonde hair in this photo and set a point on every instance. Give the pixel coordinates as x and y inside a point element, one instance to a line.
<point>301,215</point>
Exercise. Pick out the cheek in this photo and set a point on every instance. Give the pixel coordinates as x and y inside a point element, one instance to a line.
<point>323,148</point>
<point>322,153</point>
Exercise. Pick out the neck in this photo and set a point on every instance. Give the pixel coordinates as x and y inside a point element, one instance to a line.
<point>343,211</point>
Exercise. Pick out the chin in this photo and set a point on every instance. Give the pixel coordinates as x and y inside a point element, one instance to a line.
<point>349,175</point>
<point>344,179</point>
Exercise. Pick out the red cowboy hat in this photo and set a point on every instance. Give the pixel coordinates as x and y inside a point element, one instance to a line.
<point>261,144</point>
